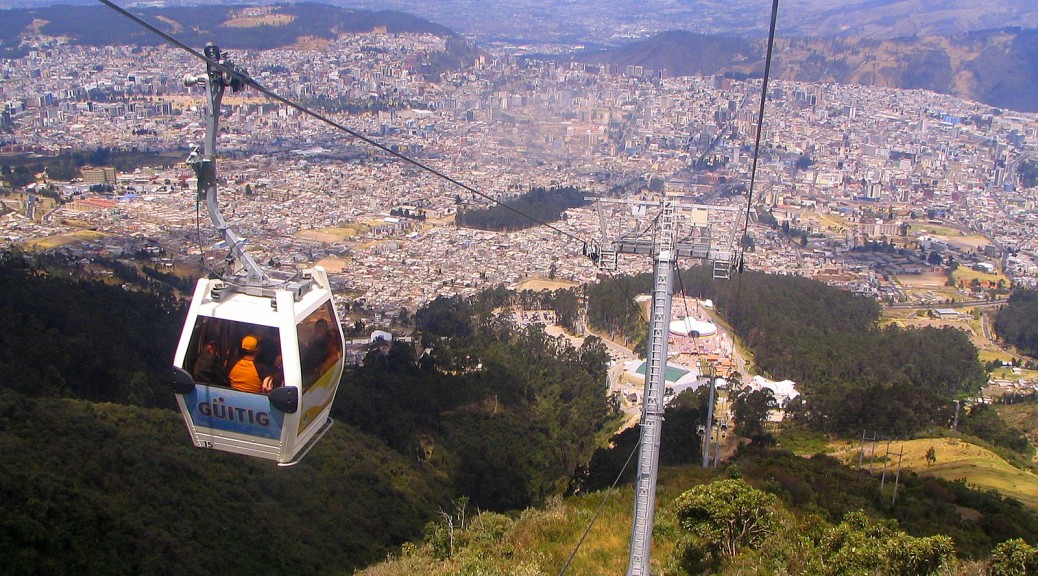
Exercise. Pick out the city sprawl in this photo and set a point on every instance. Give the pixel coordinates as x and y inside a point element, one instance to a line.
<point>843,169</point>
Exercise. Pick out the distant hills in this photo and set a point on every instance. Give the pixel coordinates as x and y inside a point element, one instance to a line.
<point>997,67</point>
<point>613,22</point>
<point>241,27</point>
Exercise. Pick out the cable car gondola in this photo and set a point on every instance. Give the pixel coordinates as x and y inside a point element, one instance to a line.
<point>260,358</point>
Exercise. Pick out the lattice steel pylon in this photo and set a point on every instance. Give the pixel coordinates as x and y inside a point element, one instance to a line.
<point>665,250</point>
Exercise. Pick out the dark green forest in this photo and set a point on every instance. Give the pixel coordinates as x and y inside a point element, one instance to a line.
<point>97,474</point>
<point>536,207</point>
<point>854,375</point>
<point>1017,321</point>
<point>508,412</point>
<point>19,171</point>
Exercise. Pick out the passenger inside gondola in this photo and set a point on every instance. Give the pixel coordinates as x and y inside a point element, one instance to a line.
<point>239,355</point>
<point>209,367</point>
<point>322,347</point>
<point>248,373</point>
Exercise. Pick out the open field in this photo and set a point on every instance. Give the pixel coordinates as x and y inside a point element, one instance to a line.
<point>538,284</point>
<point>51,242</point>
<point>956,460</point>
<point>830,222</point>
<point>932,229</point>
<point>928,287</point>
<point>327,235</point>
<point>931,280</point>
<point>990,353</point>
<point>967,243</point>
<point>333,265</point>
<point>259,20</point>
<point>966,275</point>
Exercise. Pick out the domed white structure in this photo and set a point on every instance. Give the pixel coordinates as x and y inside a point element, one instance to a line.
<point>692,327</point>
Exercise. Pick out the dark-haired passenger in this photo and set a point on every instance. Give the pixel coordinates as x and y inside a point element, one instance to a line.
<point>209,369</point>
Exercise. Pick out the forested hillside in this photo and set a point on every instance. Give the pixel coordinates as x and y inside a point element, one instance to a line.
<point>97,474</point>
<point>853,374</point>
<point>478,419</point>
<point>506,413</point>
<point>1017,322</point>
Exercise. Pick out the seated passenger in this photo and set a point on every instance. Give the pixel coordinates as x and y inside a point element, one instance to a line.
<point>247,374</point>
<point>322,351</point>
<point>209,369</point>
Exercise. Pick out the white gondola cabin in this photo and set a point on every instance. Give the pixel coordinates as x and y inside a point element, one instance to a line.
<point>291,341</point>
<point>259,359</point>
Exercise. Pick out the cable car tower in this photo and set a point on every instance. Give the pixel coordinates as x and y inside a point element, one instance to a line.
<point>701,232</point>
<point>259,358</point>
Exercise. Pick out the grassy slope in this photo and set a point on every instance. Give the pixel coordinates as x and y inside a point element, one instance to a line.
<point>956,460</point>
<point>1023,417</point>
<point>540,541</point>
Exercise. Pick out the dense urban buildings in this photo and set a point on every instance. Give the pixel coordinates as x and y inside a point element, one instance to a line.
<point>877,190</point>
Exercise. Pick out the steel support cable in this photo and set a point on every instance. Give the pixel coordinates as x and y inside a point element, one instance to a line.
<point>598,511</point>
<point>760,113</point>
<point>756,148</point>
<point>303,109</point>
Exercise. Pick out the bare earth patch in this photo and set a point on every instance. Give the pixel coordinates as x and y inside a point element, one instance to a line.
<point>174,26</point>
<point>332,265</point>
<point>310,43</point>
<point>37,25</point>
<point>327,235</point>
<point>538,284</point>
<point>51,242</point>
<point>925,280</point>
<point>260,20</point>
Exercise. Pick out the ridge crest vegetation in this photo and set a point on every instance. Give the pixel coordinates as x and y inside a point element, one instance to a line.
<point>438,444</point>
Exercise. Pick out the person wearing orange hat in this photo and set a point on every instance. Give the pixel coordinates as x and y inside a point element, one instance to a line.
<point>247,374</point>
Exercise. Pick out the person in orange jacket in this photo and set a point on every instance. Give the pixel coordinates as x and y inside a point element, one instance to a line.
<point>247,374</point>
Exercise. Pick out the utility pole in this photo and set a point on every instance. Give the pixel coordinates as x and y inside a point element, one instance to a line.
<point>883,478</point>
<point>666,246</point>
<point>897,479</point>
<point>709,425</point>
<point>955,424</point>
<point>861,450</point>
<point>872,457</point>
<point>722,428</point>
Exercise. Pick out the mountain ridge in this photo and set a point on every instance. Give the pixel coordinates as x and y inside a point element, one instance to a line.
<point>235,26</point>
<point>997,67</point>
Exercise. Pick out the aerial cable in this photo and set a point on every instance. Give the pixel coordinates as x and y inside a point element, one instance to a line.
<point>760,114</point>
<point>756,154</point>
<point>247,80</point>
<point>598,511</point>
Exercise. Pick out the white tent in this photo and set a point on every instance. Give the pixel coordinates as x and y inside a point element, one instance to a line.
<point>784,390</point>
<point>692,327</point>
